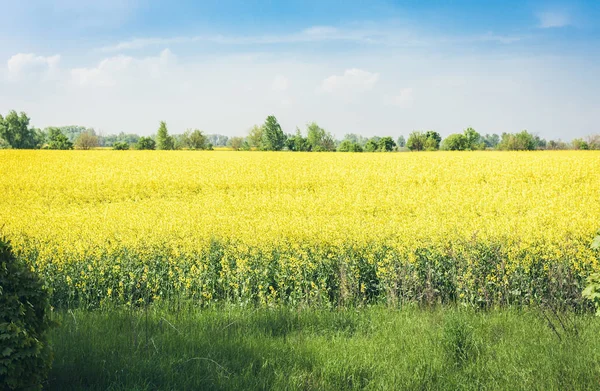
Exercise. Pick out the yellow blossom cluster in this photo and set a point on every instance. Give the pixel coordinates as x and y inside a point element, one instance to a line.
<point>259,227</point>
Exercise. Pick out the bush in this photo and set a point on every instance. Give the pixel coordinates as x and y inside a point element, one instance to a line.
<point>25,356</point>
<point>121,146</point>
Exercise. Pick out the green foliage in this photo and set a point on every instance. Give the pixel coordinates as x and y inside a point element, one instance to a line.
<point>523,141</point>
<point>195,140</point>
<point>236,143</point>
<point>416,141</point>
<point>491,140</point>
<point>592,290</point>
<point>146,143</point>
<point>15,130</point>
<point>120,146</point>
<point>580,144</point>
<point>297,142</point>
<point>217,140</point>
<point>349,146</point>
<point>87,140</point>
<point>163,140</point>
<point>401,142</point>
<point>4,144</point>
<point>372,145</point>
<point>273,138</point>
<point>454,142</point>
<point>386,144</point>
<point>255,137</point>
<point>318,139</point>
<point>25,355</point>
<point>57,140</point>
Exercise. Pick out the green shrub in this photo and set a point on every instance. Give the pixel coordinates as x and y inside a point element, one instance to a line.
<point>121,146</point>
<point>592,290</point>
<point>25,356</point>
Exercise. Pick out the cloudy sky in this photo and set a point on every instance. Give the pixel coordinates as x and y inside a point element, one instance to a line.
<point>376,67</point>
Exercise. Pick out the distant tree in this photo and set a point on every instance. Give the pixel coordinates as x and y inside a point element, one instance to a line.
<point>218,140</point>
<point>255,137</point>
<point>580,144</point>
<point>318,139</point>
<point>73,131</point>
<point>491,140</point>
<point>386,144</point>
<point>556,145</point>
<point>401,142</point>
<point>15,130</point>
<point>372,145</point>
<point>416,141</point>
<point>297,142</point>
<point>356,138</point>
<point>522,141</point>
<point>236,143</point>
<point>473,140</point>
<point>594,141</point>
<point>57,139</point>
<point>273,138</point>
<point>433,139</point>
<point>146,143</point>
<point>245,146</point>
<point>195,139</point>
<point>349,146</point>
<point>454,142</point>
<point>87,140</point>
<point>163,140</point>
<point>120,146</point>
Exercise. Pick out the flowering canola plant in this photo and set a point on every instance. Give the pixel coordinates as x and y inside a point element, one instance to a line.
<point>482,228</point>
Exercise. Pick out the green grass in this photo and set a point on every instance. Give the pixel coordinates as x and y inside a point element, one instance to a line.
<point>232,348</point>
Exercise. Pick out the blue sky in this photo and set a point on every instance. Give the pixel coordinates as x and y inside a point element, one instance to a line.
<point>370,67</point>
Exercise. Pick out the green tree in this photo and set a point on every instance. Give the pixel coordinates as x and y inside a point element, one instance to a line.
<point>255,137</point>
<point>416,141</point>
<point>318,139</point>
<point>146,143</point>
<point>522,141</point>
<point>163,140</point>
<point>491,140</point>
<point>580,144</point>
<point>195,139</point>
<point>372,145</point>
<point>58,140</point>
<point>4,144</point>
<point>386,144</point>
<point>87,140</point>
<point>454,142</point>
<point>473,140</point>
<point>236,143</point>
<point>273,138</point>
<point>349,146</point>
<point>297,142</point>
<point>401,142</point>
<point>433,140</point>
<point>120,146</point>
<point>14,129</point>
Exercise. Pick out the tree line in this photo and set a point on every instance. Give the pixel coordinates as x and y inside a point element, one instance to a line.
<point>16,132</point>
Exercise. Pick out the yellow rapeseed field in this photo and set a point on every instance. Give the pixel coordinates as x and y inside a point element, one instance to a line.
<point>484,228</point>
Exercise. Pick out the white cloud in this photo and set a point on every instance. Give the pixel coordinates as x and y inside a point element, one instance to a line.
<point>353,80</point>
<point>280,83</point>
<point>23,65</point>
<point>403,100</point>
<point>554,19</point>
<point>110,70</point>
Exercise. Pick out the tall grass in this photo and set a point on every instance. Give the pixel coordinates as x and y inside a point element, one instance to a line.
<point>374,348</point>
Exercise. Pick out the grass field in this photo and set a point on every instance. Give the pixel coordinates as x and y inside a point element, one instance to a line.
<point>375,348</point>
<point>488,228</point>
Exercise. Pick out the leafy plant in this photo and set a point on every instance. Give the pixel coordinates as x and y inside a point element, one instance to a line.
<point>592,290</point>
<point>25,356</point>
